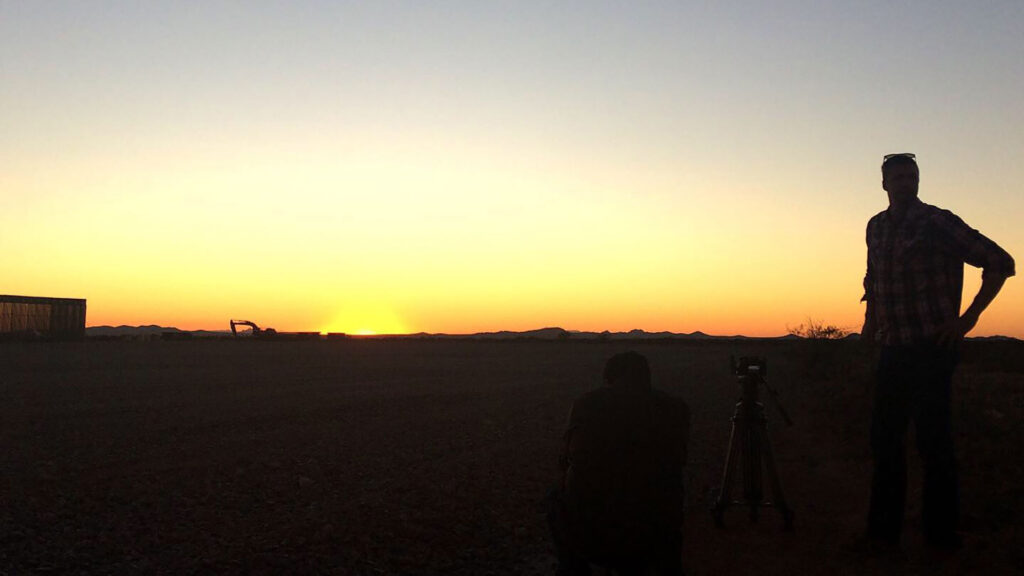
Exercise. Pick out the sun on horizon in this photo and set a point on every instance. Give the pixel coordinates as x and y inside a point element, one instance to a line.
<point>365,319</point>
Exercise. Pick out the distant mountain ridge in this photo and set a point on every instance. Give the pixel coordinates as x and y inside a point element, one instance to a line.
<point>148,330</point>
<point>563,334</point>
<point>550,333</point>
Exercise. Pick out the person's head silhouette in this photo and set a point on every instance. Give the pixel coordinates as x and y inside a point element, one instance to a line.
<point>628,370</point>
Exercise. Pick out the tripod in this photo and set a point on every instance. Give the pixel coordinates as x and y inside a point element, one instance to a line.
<point>749,448</point>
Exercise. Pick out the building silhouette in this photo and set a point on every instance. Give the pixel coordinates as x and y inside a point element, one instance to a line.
<point>46,318</point>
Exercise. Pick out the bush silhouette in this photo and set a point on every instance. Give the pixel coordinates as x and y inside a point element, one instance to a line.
<point>817,330</point>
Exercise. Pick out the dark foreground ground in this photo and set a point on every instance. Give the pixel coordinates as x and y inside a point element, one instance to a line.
<point>432,457</point>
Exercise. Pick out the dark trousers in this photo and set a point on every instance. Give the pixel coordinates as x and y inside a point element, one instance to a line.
<point>660,556</point>
<point>914,383</point>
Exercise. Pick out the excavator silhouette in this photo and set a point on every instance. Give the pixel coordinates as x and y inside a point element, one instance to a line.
<point>257,332</point>
<point>269,333</point>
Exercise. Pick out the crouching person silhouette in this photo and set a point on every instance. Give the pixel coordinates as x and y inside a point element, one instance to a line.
<point>619,502</point>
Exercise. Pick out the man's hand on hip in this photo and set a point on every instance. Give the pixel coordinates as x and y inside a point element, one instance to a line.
<point>952,333</point>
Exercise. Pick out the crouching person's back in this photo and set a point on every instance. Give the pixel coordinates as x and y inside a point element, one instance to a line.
<point>619,503</point>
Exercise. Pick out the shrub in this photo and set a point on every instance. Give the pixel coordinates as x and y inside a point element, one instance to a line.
<point>817,330</point>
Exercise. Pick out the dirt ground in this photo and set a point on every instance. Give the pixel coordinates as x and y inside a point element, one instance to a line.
<point>433,457</point>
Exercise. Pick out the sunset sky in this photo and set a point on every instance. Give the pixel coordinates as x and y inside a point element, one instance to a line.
<point>458,166</point>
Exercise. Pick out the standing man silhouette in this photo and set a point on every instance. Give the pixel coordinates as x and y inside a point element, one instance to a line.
<point>913,289</point>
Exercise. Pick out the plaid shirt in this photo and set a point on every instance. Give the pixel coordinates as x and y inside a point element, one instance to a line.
<point>914,282</point>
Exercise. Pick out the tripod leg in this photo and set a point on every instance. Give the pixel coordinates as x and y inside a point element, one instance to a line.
<point>752,482</point>
<point>773,475</point>
<point>725,492</point>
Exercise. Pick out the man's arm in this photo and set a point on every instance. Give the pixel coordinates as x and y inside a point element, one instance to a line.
<point>870,329</point>
<point>977,250</point>
<point>953,332</point>
<point>568,439</point>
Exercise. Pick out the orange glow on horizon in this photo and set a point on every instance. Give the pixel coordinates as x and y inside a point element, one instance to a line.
<point>724,306</point>
<point>367,318</point>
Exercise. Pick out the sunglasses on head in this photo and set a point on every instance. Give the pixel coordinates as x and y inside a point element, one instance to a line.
<point>898,155</point>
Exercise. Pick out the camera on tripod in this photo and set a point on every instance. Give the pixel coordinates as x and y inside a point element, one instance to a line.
<point>750,454</point>
<point>750,366</point>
